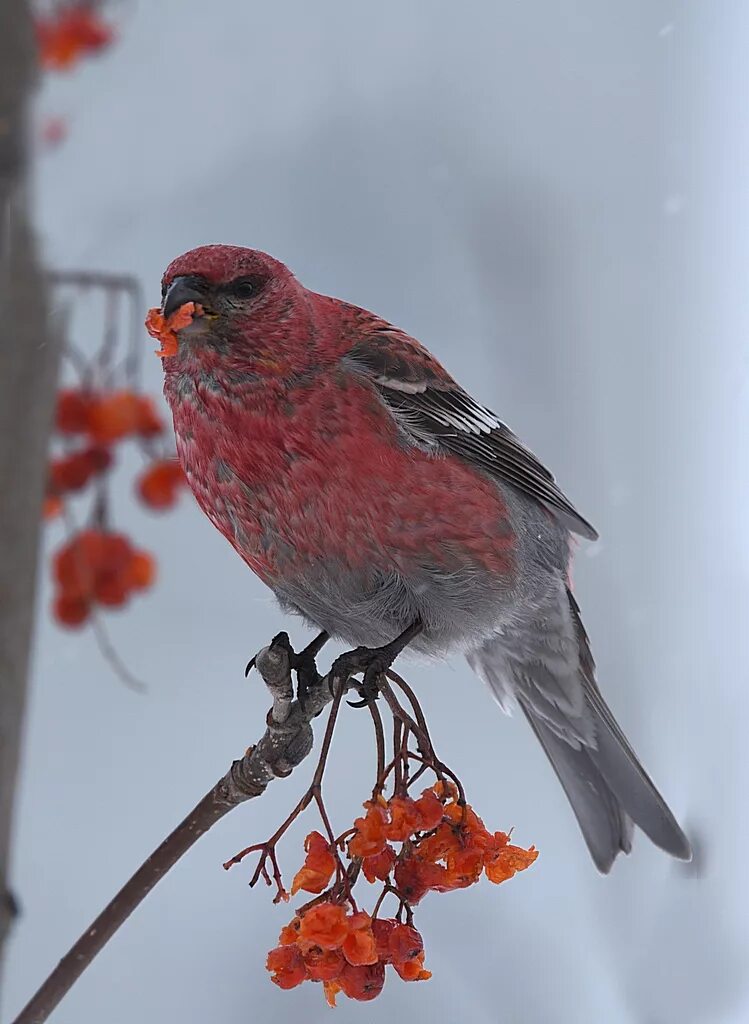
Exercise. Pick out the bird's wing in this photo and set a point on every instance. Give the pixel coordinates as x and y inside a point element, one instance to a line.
<point>437,412</point>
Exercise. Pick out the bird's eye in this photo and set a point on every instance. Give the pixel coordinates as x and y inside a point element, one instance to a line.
<point>243,288</point>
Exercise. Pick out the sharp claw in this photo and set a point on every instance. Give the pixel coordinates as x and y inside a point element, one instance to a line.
<point>358,703</point>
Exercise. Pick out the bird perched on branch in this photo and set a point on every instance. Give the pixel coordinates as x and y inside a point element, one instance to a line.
<point>375,497</point>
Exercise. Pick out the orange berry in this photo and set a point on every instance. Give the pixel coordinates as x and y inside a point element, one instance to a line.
<point>359,946</point>
<point>286,966</point>
<point>63,36</point>
<point>141,571</point>
<point>379,865</point>
<point>463,868</point>
<point>165,328</point>
<point>371,832</point>
<point>430,810</point>
<point>324,925</point>
<point>445,789</point>
<point>113,416</point>
<point>158,485</point>
<point>445,839</point>
<point>507,860</point>
<point>323,964</point>
<point>319,865</point>
<point>404,818</point>
<point>404,943</point>
<point>289,933</point>
<point>413,970</point>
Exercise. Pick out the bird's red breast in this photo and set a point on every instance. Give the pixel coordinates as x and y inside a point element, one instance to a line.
<point>297,460</point>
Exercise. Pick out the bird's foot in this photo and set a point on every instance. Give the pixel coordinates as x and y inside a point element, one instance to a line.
<point>373,662</point>
<point>303,663</point>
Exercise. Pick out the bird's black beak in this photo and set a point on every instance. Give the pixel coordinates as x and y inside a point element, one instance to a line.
<point>182,290</point>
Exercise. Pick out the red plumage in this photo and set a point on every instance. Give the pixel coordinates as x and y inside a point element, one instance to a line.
<point>310,465</point>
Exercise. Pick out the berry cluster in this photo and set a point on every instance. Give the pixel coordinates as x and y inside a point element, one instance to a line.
<point>95,567</point>
<point>347,951</point>
<point>98,420</point>
<point>443,846</point>
<point>69,32</point>
<point>108,416</point>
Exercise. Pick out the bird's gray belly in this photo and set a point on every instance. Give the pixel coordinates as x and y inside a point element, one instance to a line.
<point>459,609</point>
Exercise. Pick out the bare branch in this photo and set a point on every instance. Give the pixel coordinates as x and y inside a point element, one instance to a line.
<point>286,742</point>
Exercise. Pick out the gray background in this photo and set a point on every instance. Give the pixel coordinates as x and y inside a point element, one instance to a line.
<point>553,197</point>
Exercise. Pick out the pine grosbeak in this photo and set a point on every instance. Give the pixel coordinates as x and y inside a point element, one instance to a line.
<point>369,491</point>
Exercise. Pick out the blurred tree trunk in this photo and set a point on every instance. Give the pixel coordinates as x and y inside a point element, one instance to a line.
<point>27,382</point>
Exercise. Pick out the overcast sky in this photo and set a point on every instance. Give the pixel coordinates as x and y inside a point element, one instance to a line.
<point>552,196</point>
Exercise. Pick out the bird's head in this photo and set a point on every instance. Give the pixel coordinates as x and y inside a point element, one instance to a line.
<point>250,305</point>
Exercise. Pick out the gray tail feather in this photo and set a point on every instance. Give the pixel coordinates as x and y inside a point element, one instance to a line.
<point>617,765</point>
<point>609,790</point>
<point>606,785</point>
<point>605,826</point>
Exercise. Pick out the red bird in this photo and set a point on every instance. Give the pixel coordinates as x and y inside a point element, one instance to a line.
<point>375,497</point>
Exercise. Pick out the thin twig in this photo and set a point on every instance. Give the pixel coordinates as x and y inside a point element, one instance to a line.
<point>418,773</point>
<point>397,762</point>
<point>380,745</point>
<point>267,850</point>
<point>109,652</point>
<point>413,700</point>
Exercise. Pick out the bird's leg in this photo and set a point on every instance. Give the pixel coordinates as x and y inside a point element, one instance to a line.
<point>373,662</point>
<point>305,666</point>
<point>303,663</point>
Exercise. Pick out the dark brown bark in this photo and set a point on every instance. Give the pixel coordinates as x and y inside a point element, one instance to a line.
<point>28,366</point>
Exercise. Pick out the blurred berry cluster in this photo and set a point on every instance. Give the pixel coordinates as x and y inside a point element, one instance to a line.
<point>96,566</point>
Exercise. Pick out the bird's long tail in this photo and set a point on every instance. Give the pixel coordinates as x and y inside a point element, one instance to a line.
<point>548,668</point>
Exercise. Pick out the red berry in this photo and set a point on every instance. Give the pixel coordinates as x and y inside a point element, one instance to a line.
<point>70,609</point>
<point>362,983</point>
<point>149,423</point>
<point>71,416</point>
